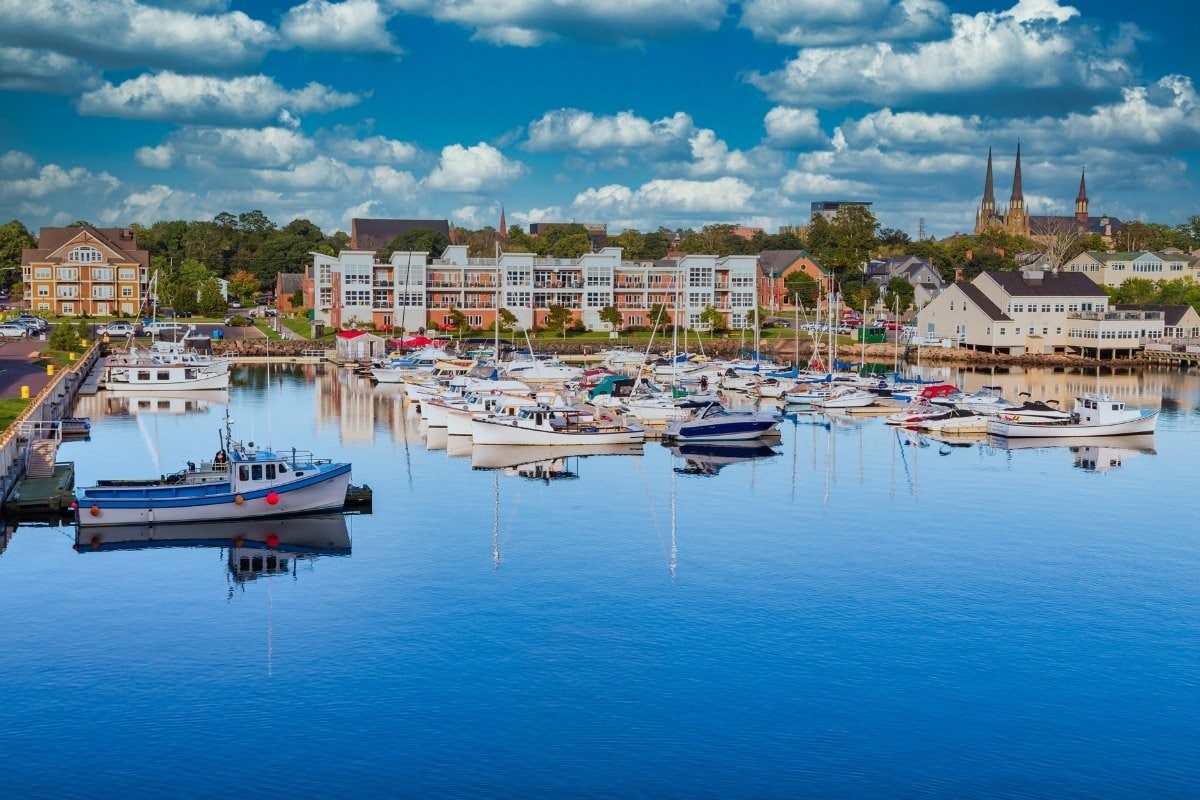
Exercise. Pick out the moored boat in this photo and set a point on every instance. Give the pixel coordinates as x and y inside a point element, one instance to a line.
<point>715,423</point>
<point>239,482</point>
<point>1094,414</point>
<point>549,425</point>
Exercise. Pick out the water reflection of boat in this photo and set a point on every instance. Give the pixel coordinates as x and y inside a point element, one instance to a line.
<point>1089,453</point>
<point>710,458</point>
<point>323,534</point>
<point>543,461</point>
<point>189,402</point>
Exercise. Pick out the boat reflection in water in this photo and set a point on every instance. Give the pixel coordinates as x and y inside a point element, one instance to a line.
<point>184,402</point>
<point>543,462</point>
<point>711,458</point>
<point>256,547</point>
<point>1090,453</point>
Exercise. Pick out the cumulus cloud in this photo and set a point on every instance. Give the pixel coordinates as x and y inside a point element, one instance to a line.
<point>471,169</point>
<point>16,162</point>
<point>24,69</point>
<point>573,129</point>
<point>1032,49</point>
<point>529,23</point>
<point>352,26</point>
<point>669,196</point>
<point>832,22</point>
<point>54,180</point>
<point>375,149</point>
<point>161,157</point>
<point>171,97</point>
<point>126,33</point>
<point>790,127</point>
<point>261,148</point>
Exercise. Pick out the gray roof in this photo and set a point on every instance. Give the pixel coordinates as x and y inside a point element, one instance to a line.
<point>976,296</point>
<point>1172,315</point>
<point>1052,284</point>
<point>375,234</point>
<point>289,282</point>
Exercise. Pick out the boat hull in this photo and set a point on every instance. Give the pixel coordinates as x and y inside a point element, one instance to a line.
<point>1060,430</point>
<point>102,506</point>
<point>504,431</point>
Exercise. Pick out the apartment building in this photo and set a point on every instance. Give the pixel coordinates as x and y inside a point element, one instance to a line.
<point>1037,312</point>
<point>85,270</point>
<point>413,290</point>
<point>1114,268</point>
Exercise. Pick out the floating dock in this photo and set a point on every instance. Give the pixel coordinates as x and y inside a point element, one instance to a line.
<point>48,496</point>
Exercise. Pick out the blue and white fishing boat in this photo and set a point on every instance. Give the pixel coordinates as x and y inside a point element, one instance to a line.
<point>715,423</point>
<point>239,482</point>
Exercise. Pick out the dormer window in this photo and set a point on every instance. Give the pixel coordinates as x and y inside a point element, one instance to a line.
<point>85,254</point>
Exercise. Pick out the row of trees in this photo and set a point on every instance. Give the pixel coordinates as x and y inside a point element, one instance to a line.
<point>249,249</point>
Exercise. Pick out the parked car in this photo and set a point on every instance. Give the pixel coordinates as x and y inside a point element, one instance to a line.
<point>118,329</point>
<point>10,330</point>
<point>36,324</point>
<point>159,328</point>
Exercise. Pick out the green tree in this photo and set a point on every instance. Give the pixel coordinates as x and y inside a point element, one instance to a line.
<point>211,303</point>
<point>507,319</point>
<point>655,245</point>
<point>713,318</point>
<point>417,240</point>
<point>458,321</point>
<point>854,239</point>
<point>612,315</point>
<point>894,237</point>
<point>801,286</point>
<point>660,316</point>
<point>631,242</point>
<point>14,239</point>
<point>243,286</point>
<point>559,319</point>
<point>899,294</point>
<point>572,246</point>
<point>286,250</point>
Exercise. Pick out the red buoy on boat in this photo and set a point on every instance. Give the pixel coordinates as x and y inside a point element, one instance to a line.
<point>272,498</point>
<point>272,540</point>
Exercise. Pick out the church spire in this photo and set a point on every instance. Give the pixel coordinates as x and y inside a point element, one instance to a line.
<point>1018,195</point>
<point>503,225</point>
<point>989,196</point>
<point>1081,202</point>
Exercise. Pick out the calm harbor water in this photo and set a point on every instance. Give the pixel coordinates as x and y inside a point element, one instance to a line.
<point>853,612</point>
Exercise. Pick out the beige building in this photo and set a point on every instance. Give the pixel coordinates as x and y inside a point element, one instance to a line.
<point>85,270</point>
<point>1037,312</point>
<point>1113,269</point>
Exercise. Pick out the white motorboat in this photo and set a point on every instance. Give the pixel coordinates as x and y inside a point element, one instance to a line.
<point>1094,414</point>
<point>846,397</point>
<point>715,423</point>
<point>547,425</point>
<point>149,377</point>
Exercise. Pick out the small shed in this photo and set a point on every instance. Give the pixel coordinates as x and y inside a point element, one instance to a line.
<point>356,345</point>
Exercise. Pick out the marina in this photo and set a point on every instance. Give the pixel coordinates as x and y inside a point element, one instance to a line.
<point>721,618</point>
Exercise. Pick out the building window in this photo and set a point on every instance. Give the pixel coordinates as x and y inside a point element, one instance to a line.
<point>102,292</point>
<point>85,255</point>
<point>126,291</point>
<point>68,308</point>
<point>596,299</point>
<point>517,299</point>
<point>68,273</point>
<point>1059,307</point>
<point>1045,308</point>
<point>43,291</point>
<point>358,297</point>
<point>125,274</point>
<point>1002,331</point>
<point>41,272</point>
<point>102,274</point>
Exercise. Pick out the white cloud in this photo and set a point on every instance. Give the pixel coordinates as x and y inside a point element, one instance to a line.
<point>24,69</point>
<point>262,148</point>
<point>1033,47</point>
<point>573,129</point>
<point>161,157</point>
<point>912,130</point>
<point>528,23</point>
<point>15,162</point>
<point>375,149</point>
<point>829,22</point>
<point>322,173</point>
<point>789,127</point>
<point>471,169</point>
<point>669,196</point>
<point>1162,117</point>
<point>353,26</point>
<point>169,96</point>
<point>54,180</point>
<point>126,33</point>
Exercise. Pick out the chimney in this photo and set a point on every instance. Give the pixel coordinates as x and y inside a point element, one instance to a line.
<point>958,274</point>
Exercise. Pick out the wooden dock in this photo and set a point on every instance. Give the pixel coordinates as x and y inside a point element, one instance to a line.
<point>51,495</point>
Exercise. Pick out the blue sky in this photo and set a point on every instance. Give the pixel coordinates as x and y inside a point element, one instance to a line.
<point>637,113</point>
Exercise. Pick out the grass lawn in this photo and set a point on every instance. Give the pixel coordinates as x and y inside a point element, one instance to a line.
<point>303,327</point>
<point>10,409</point>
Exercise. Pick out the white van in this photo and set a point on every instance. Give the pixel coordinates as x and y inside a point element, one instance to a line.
<point>171,330</point>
